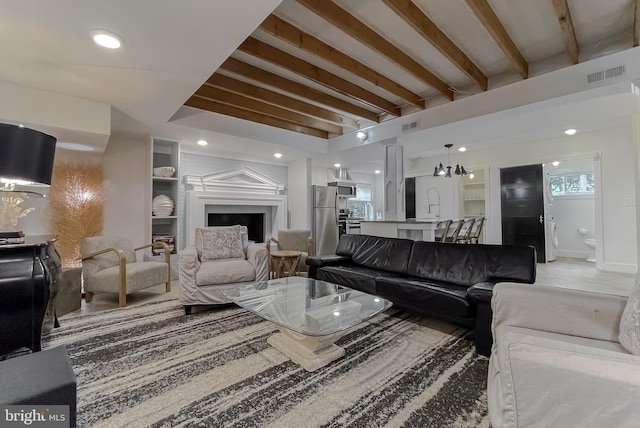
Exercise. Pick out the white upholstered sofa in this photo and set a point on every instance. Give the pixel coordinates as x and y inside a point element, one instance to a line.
<point>221,258</point>
<point>557,362</point>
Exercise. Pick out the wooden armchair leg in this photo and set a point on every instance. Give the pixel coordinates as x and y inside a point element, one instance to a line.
<point>122,295</point>
<point>168,286</point>
<point>88,296</point>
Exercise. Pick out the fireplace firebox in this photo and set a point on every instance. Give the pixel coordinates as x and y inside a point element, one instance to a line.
<point>253,221</point>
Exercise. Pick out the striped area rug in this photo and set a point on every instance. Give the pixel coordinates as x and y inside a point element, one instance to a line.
<point>152,366</point>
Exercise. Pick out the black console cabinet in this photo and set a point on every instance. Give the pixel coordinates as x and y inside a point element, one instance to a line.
<point>28,273</point>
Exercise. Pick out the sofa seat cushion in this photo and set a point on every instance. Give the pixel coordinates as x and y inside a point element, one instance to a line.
<point>225,271</point>
<point>356,277</point>
<point>429,296</point>
<point>140,275</point>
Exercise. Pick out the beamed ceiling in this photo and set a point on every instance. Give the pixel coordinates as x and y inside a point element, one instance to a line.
<point>324,68</point>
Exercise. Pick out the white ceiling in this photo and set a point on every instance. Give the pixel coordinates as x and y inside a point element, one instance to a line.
<point>172,47</point>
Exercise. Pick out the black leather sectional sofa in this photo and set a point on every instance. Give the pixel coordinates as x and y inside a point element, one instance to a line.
<point>452,282</point>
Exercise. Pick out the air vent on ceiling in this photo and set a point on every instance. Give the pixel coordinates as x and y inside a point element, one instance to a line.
<point>609,73</point>
<point>411,126</point>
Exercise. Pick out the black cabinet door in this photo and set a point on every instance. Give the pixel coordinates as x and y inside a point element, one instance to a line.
<point>522,200</point>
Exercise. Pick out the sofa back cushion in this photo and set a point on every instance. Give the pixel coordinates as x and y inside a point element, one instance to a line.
<point>469,264</point>
<point>375,252</point>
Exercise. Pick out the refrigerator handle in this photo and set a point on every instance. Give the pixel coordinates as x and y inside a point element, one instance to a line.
<point>335,205</point>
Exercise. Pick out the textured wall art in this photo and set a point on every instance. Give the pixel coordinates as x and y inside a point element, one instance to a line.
<point>76,203</point>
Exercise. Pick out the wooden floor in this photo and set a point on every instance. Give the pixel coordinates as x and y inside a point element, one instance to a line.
<point>564,272</point>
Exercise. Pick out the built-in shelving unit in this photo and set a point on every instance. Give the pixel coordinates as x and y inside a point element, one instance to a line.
<point>165,153</point>
<point>473,195</point>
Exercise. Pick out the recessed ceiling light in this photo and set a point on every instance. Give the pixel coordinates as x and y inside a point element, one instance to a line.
<point>362,136</point>
<point>74,146</point>
<point>337,165</point>
<point>462,149</point>
<point>106,39</point>
<point>555,163</point>
<point>570,131</point>
<point>377,171</point>
<point>277,155</point>
<point>202,142</point>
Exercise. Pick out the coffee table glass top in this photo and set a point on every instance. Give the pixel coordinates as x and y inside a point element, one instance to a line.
<point>308,306</point>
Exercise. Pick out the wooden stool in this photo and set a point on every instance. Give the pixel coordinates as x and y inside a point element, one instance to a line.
<point>284,263</point>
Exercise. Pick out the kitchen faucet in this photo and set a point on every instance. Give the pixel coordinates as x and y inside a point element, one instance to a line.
<point>429,204</point>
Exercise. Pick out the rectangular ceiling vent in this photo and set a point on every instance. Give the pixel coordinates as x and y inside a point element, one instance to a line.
<point>609,73</point>
<point>408,127</point>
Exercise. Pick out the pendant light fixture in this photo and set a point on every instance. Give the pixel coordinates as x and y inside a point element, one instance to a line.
<point>441,171</point>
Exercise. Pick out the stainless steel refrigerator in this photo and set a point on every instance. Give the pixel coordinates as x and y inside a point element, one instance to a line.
<point>325,219</point>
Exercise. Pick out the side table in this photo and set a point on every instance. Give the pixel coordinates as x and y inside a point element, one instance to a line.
<point>284,263</point>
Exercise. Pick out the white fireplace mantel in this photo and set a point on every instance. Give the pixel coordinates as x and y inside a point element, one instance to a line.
<point>242,187</point>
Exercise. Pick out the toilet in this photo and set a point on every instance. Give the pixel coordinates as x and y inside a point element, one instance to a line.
<point>591,245</point>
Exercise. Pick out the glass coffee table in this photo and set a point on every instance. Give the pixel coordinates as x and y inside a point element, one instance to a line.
<point>311,314</point>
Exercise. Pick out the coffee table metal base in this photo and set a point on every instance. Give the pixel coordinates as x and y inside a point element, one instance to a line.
<point>309,352</point>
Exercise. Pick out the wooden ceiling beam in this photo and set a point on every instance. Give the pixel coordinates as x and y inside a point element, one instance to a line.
<point>566,25</point>
<point>256,106</point>
<point>227,110</point>
<point>266,52</point>
<point>247,89</point>
<point>314,46</point>
<point>419,21</point>
<point>494,27</point>
<point>266,77</point>
<point>346,22</point>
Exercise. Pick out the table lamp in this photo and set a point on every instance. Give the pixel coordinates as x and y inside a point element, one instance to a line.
<point>26,159</point>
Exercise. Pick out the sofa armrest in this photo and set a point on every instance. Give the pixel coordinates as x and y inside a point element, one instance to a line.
<point>189,265</point>
<point>257,255</point>
<point>532,374</point>
<point>481,292</point>
<point>316,262</point>
<point>557,310</point>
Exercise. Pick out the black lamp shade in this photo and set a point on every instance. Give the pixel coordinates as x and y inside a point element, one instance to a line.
<point>26,155</point>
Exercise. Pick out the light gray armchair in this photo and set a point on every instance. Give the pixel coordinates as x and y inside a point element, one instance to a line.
<point>296,240</point>
<point>109,265</point>
<point>222,258</point>
<point>556,360</point>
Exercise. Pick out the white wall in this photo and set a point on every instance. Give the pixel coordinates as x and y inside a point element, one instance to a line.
<point>446,188</point>
<point>570,214</point>
<point>126,189</point>
<point>299,194</point>
<point>618,155</point>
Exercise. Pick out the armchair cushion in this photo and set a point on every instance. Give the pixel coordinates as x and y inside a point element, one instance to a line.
<point>217,243</point>
<point>630,323</point>
<point>139,276</point>
<point>225,271</point>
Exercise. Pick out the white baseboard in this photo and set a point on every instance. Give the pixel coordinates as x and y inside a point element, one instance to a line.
<point>619,267</point>
<point>572,253</point>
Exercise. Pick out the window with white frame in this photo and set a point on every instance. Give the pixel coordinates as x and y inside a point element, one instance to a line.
<point>358,205</point>
<point>572,184</point>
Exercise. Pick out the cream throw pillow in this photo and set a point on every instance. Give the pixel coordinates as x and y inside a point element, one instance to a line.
<point>630,322</point>
<point>221,243</point>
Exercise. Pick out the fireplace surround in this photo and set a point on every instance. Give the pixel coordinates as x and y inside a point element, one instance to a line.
<point>241,190</point>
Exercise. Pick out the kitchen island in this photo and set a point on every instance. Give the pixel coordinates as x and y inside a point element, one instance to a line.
<point>418,230</point>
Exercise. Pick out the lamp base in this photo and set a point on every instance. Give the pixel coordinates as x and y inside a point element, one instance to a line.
<point>12,237</point>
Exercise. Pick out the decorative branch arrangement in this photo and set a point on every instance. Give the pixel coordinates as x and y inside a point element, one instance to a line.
<point>76,202</point>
